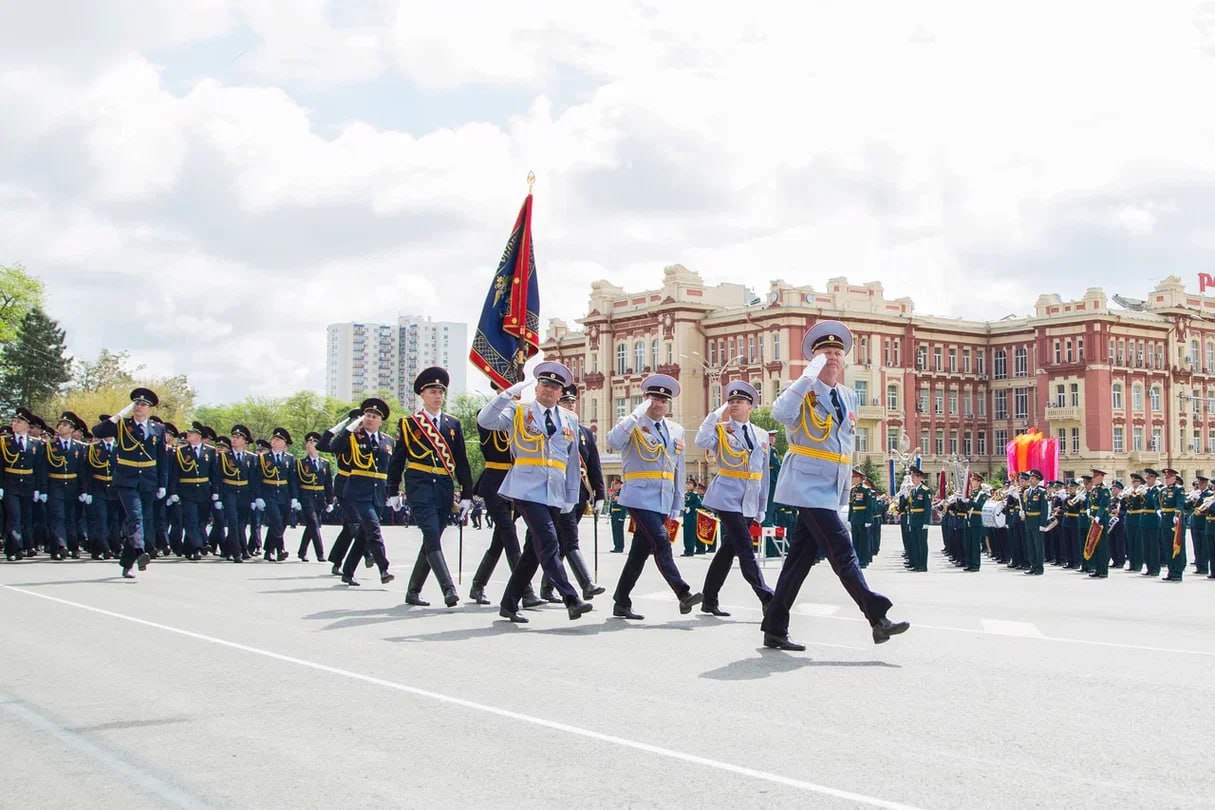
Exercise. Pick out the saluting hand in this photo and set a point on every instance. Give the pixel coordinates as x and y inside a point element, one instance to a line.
<point>816,367</point>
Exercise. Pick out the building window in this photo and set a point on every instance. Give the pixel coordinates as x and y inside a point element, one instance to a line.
<point>953,442</point>
<point>1060,396</point>
<point>923,406</point>
<point>1001,364</point>
<point>1020,362</point>
<point>939,445</point>
<point>759,389</point>
<point>921,358</point>
<point>1116,392</point>
<point>1211,440</point>
<point>1137,439</point>
<point>938,401</point>
<point>953,358</point>
<point>1075,440</point>
<point>1001,441</point>
<point>982,399</point>
<point>982,443</point>
<point>981,361</point>
<point>1001,404</point>
<point>892,440</point>
<point>968,405</point>
<point>966,361</point>
<point>654,355</point>
<point>1121,352</point>
<point>1157,439</point>
<point>750,348</point>
<point>713,353</point>
<point>862,440</point>
<point>1196,402</point>
<point>1061,437</point>
<point>924,440</point>
<point>1193,358</point>
<point>1075,395</point>
<point>1058,353</point>
<point>886,352</point>
<point>953,401</point>
<point>670,353</point>
<point>621,357</point>
<point>967,444</point>
<point>862,355</point>
<point>1137,397</point>
<point>1154,398</point>
<point>892,397</point>
<point>638,356</point>
<point>1080,350</point>
<point>776,347</point>
<point>862,391</point>
<point>715,397</point>
<point>1209,365</point>
<point>1119,439</point>
<point>1021,403</point>
<point>1160,356</point>
<point>621,405</point>
<point>1196,442</point>
<point>898,352</point>
<point>1211,400</point>
<point>936,358</point>
<point>729,358</point>
<point>595,409</point>
<point>1141,364</point>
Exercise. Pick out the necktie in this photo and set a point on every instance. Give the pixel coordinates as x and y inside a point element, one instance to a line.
<point>839,408</point>
<point>662,436</point>
<point>747,437</point>
<point>277,459</point>
<point>548,422</point>
<point>240,457</point>
<point>198,452</point>
<point>22,443</point>
<point>139,432</point>
<point>314,465</point>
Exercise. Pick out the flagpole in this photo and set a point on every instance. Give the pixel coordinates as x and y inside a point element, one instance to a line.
<point>521,353</point>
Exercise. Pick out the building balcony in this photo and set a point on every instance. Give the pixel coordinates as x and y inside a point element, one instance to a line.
<point>1070,413</point>
<point>1146,457</point>
<point>871,412</point>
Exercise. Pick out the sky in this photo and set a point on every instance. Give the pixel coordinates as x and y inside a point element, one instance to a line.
<point>208,184</point>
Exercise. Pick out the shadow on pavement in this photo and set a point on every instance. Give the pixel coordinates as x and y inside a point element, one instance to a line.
<point>116,579</point>
<point>774,663</point>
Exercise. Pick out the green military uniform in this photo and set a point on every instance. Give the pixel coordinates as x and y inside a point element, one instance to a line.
<point>859,517</point>
<point>1208,520</point>
<point>1083,522</point>
<point>1202,538</point>
<point>919,509</point>
<point>975,530</point>
<point>617,514</point>
<point>1135,507</point>
<point>1036,511</point>
<point>1099,498</point>
<point>691,502</point>
<point>1149,531</point>
<point>1173,511</point>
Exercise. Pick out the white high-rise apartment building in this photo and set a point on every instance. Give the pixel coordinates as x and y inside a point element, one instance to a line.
<point>363,358</point>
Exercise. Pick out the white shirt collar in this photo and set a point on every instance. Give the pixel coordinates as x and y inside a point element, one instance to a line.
<point>434,417</point>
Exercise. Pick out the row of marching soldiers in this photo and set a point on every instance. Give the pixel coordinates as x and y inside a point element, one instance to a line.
<point>190,493</point>
<point>1080,525</point>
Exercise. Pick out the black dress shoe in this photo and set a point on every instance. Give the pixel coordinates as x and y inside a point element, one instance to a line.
<point>368,561</point>
<point>1170,579</point>
<point>550,597</point>
<point>126,574</point>
<point>282,555</point>
<point>336,570</point>
<point>304,559</point>
<point>776,642</point>
<point>349,580</point>
<point>1095,575</point>
<point>512,615</point>
<point>451,598</point>
<point>690,601</point>
<point>532,601</point>
<point>713,610</point>
<point>477,594</point>
<point>386,578</point>
<point>415,600</point>
<point>75,555</point>
<point>884,629</point>
<point>625,613</point>
<point>576,609</point>
<point>142,561</point>
<point>592,590</point>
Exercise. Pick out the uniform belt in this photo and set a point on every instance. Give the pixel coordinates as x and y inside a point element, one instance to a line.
<point>822,455</point>
<point>498,465</point>
<point>916,511</point>
<point>235,482</point>
<point>104,478</point>
<point>1170,509</point>
<point>63,476</point>
<point>370,474</point>
<point>649,475</point>
<point>974,512</point>
<point>1071,514</point>
<point>193,480</point>
<point>746,476</point>
<point>1136,511</point>
<point>541,462</point>
<point>17,471</point>
<point>1032,514</point>
<point>343,473</point>
<point>274,482</point>
<point>413,465</point>
<point>312,487</point>
<point>859,508</point>
<point>127,462</point>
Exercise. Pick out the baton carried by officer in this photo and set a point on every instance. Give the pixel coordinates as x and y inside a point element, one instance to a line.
<point>596,533</point>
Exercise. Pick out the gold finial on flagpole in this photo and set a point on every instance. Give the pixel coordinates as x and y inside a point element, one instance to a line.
<point>531,181</point>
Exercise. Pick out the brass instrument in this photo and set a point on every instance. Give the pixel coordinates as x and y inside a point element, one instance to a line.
<point>1202,508</point>
<point>1079,497</point>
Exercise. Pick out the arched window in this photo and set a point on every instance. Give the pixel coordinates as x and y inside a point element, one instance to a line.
<point>1116,391</point>
<point>622,352</point>
<point>892,397</point>
<point>1137,397</point>
<point>638,356</point>
<point>1154,398</point>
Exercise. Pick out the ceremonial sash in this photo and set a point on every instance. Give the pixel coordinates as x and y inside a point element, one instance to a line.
<point>440,445</point>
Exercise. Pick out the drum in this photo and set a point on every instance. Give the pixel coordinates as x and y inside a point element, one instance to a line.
<point>993,519</point>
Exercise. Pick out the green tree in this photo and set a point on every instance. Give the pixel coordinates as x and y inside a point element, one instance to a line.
<point>19,293</point>
<point>876,473</point>
<point>35,365</point>
<point>465,408</point>
<point>762,417</point>
<point>109,371</point>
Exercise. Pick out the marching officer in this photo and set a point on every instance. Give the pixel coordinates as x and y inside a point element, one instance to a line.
<point>859,515</point>
<point>1117,524</point>
<point>22,486</point>
<point>738,493</point>
<point>63,457</point>
<point>819,415</point>
<point>278,492</point>
<point>140,476</point>
<point>105,518</point>
<point>1198,527</point>
<point>194,483</point>
<point>365,493</point>
<point>1149,524</point>
<point>239,488</point>
<point>1135,507</point>
<point>341,456</point>
<point>1172,524</point>
<point>257,510</point>
<point>654,461</point>
<point>543,482</point>
<point>1099,499</point>
<point>316,493</point>
<point>430,459</point>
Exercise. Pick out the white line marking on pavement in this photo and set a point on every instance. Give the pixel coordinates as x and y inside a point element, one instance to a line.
<point>1001,627</point>
<point>809,787</point>
<point>131,774</point>
<point>816,609</point>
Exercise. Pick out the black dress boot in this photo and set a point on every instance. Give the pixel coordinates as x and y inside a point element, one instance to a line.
<point>576,607</point>
<point>438,564</point>
<point>583,575</point>
<point>413,592</point>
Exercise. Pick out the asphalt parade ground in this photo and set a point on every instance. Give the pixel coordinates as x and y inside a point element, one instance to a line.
<point>272,685</point>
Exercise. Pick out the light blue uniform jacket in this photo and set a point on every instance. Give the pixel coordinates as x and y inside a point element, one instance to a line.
<point>804,480</point>
<point>653,471</point>
<point>741,483</point>
<point>547,469</point>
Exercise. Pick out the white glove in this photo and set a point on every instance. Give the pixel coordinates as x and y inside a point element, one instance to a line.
<point>328,509</point>
<point>125,412</point>
<point>37,496</point>
<point>44,496</point>
<point>218,505</point>
<point>172,499</point>
<point>83,496</point>
<point>215,496</point>
<point>394,503</point>
<point>88,499</point>
<point>295,504</point>
<point>760,517</point>
<point>355,423</point>
<point>465,508</point>
<point>1,492</point>
<point>722,410</point>
<point>516,389</point>
<point>641,409</point>
<point>160,493</point>
<point>598,507</point>
<point>259,504</point>
<point>336,429</point>
<point>815,368</point>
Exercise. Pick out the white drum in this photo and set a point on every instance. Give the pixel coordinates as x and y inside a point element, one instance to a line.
<point>993,519</point>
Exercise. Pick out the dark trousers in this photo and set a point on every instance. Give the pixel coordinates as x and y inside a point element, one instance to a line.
<point>1173,562</point>
<point>19,522</point>
<point>194,525</point>
<point>860,540</point>
<point>367,537</point>
<point>256,519</point>
<point>539,550</point>
<point>1071,542</point>
<point>735,542</point>
<point>505,539</point>
<point>617,533</point>
<point>337,552</point>
<point>276,524</point>
<point>1151,533</point>
<point>236,525</point>
<point>649,538</point>
<point>61,506</point>
<point>817,530</point>
<point>136,505</point>
<point>103,526</point>
<point>917,534</point>
<point>1118,543</point>
<point>314,507</point>
<point>875,537</point>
